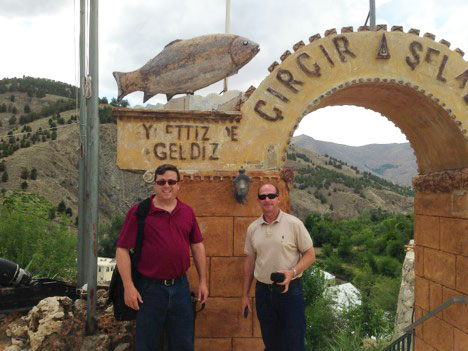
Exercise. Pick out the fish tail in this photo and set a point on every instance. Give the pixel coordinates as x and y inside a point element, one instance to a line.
<point>118,77</point>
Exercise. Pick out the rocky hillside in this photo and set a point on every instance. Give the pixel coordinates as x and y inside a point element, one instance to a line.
<point>395,162</point>
<point>326,185</point>
<point>47,145</point>
<point>56,162</point>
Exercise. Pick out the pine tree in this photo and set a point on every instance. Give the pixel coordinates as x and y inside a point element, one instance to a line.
<point>24,185</point>
<point>52,213</point>
<point>5,177</point>
<point>33,174</point>
<point>24,174</point>
<point>61,207</point>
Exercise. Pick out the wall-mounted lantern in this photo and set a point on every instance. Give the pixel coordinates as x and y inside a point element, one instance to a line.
<point>242,184</point>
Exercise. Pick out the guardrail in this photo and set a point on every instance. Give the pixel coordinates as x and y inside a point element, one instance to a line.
<point>404,342</point>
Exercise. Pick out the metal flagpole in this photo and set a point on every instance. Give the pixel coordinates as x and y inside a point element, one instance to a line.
<point>228,19</point>
<point>82,261</point>
<point>92,174</point>
<point>372,14</point>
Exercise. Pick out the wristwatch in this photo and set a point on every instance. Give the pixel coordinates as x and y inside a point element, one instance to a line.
<point>295,272</point>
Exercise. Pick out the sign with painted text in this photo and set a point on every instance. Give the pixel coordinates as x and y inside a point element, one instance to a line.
<point>417,83</point>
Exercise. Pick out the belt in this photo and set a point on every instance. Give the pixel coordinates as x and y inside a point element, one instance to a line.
<point>271,286</point>
<point>166,282</point>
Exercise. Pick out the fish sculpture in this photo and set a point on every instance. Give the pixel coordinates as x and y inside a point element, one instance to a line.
<point>185,66</point>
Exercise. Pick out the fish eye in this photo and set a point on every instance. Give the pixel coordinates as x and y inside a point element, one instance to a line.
<point>245,42</point>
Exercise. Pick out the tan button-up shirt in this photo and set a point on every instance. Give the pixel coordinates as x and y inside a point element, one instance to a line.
<point>276,246</point>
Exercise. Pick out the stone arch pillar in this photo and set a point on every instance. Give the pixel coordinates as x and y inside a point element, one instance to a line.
<point>418,84</point>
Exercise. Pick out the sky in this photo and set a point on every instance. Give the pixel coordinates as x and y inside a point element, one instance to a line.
<point>40,39</point>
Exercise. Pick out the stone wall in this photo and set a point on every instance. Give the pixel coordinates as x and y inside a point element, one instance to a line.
<point>441,267</point>
<point>223,222</point>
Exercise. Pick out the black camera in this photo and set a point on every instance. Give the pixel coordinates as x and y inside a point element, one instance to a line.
<point>277,277</point>
<point>12,274</point>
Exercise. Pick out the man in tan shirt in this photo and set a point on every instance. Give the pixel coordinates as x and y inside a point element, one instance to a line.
<point>277,242</point>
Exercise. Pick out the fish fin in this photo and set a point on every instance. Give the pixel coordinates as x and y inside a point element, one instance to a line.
<point>147,96</point>
<point>169,96</point>
<point>173,42</point>
<point>118,76</point>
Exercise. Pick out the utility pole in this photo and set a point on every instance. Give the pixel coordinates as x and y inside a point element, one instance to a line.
<point>372,14</point>
<point>89,160</point>
<point>228,20</point>
<point>81,280</point>
<point>92,170</point>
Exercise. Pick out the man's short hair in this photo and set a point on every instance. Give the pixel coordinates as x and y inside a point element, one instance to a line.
<point>164,168</point>
<point>261,186</point>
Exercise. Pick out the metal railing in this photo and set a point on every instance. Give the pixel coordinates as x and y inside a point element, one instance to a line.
<point>404,342</point>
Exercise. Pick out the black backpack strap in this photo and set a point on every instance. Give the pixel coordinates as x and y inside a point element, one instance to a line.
<point>141,213</point>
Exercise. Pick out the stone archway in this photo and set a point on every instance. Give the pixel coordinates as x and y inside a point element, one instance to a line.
<point>418,84</point>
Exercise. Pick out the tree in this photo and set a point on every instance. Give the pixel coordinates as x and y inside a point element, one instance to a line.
<point>33,174</point>
<point>47,248</point>
<point>2,166</point>
<point>24,185</point>
<point>53,136</point>
<point>108,234</point>
<point>123,103</point>
<point>5,177</point>
<point>344,247</point>
<point>12,120</point>
<point>51,213</point>
<point>61,207</point>
<point>12,98</point>
<point>69,212</point>
<point>24,173</point>
<point>27,108</point>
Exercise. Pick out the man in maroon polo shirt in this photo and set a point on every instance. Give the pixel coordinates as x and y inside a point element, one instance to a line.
<point>161,293</point>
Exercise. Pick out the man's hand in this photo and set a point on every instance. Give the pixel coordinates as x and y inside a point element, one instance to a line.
<point>132,297</point>
<point>288,275</point>
<point>245,304</point>
<point>202,293</point>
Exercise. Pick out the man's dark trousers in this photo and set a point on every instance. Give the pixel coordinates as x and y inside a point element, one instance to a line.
<point>164,308</point>
<point>281,317</point>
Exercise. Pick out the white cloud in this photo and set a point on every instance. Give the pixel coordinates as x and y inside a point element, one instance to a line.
<point>42,35</point>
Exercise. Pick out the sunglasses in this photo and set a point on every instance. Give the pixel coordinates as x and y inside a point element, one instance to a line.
<point>270,196</point>
<point>162,182</point>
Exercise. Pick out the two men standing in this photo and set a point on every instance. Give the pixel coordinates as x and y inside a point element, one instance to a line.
<point>277,242</point>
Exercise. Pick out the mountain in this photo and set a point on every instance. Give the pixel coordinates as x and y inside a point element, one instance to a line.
<point>46,140</point>
<point>328,186</point>
<point>56,162</point>
<point>395,162</point>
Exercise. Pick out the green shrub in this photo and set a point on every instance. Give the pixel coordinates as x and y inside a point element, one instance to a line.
<point>389,266</point>
<point>27,237</point>
<point>108,234</point>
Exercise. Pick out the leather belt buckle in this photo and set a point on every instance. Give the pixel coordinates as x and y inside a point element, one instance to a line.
<point>169,282</point>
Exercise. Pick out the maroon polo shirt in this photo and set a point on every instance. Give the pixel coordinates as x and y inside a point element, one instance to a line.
<point>165,253</point>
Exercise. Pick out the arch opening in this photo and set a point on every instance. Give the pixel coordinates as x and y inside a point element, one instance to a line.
<point>431,131</point>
